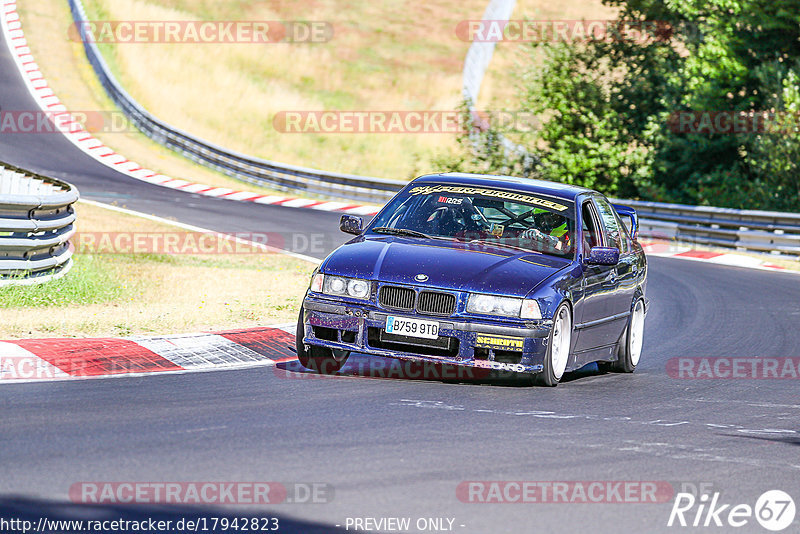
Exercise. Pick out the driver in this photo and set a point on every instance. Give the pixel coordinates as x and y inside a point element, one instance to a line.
<point>551,230</point>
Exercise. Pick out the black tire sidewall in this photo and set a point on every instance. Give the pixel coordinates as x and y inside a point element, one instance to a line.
<point>318,359</point>
<point>302,354</point>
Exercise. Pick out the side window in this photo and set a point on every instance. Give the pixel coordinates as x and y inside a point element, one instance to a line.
<point>591,237</point>
<point>624,235</point>
<point>610,222</point>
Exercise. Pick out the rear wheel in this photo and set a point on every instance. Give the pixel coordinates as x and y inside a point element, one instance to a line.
<point>558,346</point>
<point>630,352</point>
<point>319,359</point>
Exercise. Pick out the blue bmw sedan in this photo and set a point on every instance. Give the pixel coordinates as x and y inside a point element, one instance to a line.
<point>490,272</point>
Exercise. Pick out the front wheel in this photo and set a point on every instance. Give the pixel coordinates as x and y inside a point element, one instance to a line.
<point>558,346</point>
<point>319,359</point>
<point>631,350</point>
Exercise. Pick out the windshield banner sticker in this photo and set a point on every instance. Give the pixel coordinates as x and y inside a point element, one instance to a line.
<point>496,193</point>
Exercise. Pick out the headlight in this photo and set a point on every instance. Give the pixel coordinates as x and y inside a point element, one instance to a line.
<point>505,306</point>
<point>491,305</point>
<point>358,289</point>
<point>340,286</point>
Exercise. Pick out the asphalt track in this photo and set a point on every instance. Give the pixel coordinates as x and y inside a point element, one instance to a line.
<point>400,448</point>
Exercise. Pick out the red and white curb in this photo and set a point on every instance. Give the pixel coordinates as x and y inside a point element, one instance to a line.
<point>685,252</point>
<point>86,142</point>
<point>38,360</point>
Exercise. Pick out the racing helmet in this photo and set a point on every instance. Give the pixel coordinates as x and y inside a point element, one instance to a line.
<point>550,222</point>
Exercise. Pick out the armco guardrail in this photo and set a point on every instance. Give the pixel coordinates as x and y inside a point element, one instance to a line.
<point>760,231</point>
<point>240,166</point>
<point>36,223</point>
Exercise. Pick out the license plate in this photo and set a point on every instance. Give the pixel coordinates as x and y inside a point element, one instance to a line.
<point>403,326</point>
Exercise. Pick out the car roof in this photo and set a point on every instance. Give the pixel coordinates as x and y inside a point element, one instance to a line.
<point>529,185</point>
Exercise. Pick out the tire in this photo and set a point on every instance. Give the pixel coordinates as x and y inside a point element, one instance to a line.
<point>318,359</point>
<point>558,348</point>
<point>630,351</point>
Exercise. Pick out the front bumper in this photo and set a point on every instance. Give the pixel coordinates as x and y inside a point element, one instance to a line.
<point>466,342</point>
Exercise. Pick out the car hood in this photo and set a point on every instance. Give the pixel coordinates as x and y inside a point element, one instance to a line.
<point>447,264</point>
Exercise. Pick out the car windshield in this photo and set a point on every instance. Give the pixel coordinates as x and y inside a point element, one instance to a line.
<point>482,215</point>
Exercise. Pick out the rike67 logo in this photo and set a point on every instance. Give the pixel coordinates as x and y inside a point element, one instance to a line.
<point>774,510</point>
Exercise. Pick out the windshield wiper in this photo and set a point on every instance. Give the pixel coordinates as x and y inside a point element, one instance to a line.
<point>399,231</point>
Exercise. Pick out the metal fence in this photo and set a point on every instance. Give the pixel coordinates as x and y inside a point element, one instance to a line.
<point>36,223</point>
<point>773,232</point>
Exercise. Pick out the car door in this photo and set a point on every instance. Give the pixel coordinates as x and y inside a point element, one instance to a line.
<point>595,324</point>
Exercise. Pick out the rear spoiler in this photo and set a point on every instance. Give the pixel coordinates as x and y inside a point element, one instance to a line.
<point>626,211</point>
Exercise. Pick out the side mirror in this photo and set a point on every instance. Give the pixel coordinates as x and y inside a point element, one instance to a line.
<point>603,256</point>
<point>350,224</point>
